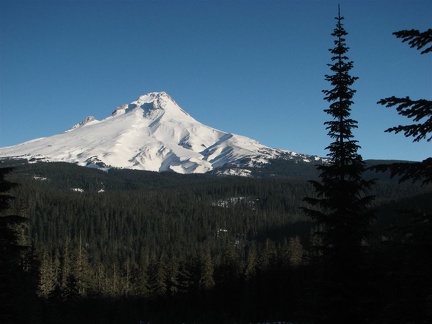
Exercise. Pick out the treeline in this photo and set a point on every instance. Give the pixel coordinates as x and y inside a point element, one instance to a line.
<point>165,247</point>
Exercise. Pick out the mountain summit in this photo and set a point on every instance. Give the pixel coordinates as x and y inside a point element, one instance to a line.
<point>151,133</point>
<point>154,103</point>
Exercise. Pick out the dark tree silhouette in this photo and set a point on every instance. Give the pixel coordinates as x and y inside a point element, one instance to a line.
<point>409,270</point>
<point>420,111</point>
<point>17,285</point>
<point>341,206</point>
<point>416,39</point>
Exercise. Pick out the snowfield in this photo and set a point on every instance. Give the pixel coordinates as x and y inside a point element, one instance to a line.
<point>152,133</point>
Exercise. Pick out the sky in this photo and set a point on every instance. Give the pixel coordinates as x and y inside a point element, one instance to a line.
<point>253,68</point>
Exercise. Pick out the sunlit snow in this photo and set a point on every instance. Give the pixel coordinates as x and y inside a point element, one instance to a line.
<point>152,133</point>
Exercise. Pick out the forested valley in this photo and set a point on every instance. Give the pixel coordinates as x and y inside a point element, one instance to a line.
<point>125,246</point>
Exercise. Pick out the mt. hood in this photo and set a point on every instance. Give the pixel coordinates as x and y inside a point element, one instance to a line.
<point>152,133</point>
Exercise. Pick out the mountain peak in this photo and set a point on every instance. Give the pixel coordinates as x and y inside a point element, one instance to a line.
<point>151,102</point>
<point>151,133</point>
<point>154,96</point>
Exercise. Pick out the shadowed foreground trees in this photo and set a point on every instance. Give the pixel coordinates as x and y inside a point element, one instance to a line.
<point>18,277</point>
<point>408,262</point>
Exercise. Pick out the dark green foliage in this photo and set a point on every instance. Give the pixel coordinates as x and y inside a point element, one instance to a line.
<point>406,253</point>
<point>417,110</point>
<point>341,207</point>
<point>18,266</point>
<point>403,266</point>
<point>409,171</point>
<point>420,111</point>
<point>416,39</point>
<point>153,236</point>
<point>110,252</point>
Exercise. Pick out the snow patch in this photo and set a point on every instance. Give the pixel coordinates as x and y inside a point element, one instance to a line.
<point>229,202</point>
<point>40,178</point>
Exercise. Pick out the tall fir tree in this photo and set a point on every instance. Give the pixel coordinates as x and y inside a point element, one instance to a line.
<point>341,205</point>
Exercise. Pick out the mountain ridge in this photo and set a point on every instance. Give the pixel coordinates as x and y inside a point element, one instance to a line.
<point>152,133</point>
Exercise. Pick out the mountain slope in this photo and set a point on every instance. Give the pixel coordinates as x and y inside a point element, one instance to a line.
<point>152,133</point>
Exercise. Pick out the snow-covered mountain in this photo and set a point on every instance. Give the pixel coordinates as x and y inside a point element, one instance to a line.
<point>152,133</point>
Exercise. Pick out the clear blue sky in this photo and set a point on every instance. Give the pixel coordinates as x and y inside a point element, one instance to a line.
<point>254,68</point>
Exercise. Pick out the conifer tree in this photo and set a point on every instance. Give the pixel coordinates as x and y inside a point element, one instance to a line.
<point>340,207</point>
<point>56,267</point>
<point>66,266</point>
<point>295,251</point>
<point>142,281</point>
<point>267,256</point>
<point>100,284</point>
<point>47,279</point>
<point>157,284</point>
<point>249,271</point>
<point>71,290</point>
<point>420,111</point>
<point>172,276</point>
<point>185,276</point>
<point>206,271</point>
<point>411,301</point>
<point>81,268</point>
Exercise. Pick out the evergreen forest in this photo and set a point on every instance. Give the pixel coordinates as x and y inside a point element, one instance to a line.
<point>126,246</point>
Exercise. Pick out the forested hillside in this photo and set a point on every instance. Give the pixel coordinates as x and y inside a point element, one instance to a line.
<point>131,245</point>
